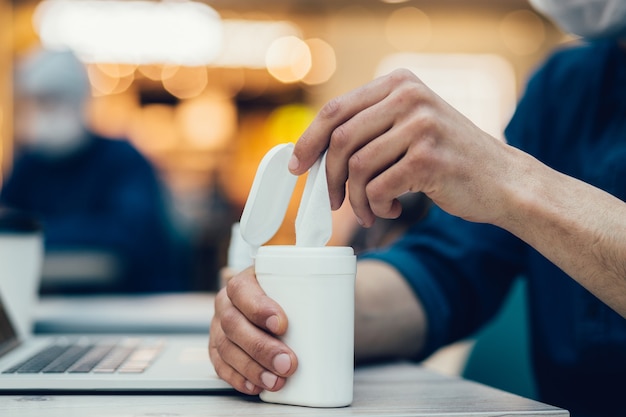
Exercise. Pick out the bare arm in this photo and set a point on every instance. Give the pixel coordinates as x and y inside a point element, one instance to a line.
<point>389,320</point>
<point>580,228</point>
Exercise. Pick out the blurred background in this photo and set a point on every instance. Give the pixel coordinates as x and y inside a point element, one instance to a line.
<point>203,89</point>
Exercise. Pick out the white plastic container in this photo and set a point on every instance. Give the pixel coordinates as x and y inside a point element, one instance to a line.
<point>315,288</point>
<point>312,282</point>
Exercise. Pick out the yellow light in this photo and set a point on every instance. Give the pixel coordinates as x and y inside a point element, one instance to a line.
<point>323,62</point>
<point>288,123</point>
<point>288,59</point>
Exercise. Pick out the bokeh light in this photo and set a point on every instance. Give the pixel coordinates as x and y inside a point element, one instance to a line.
<point>186,82</point>
<point>168,71</point>
<point>323,62</point>
<point>207,122</point>
<point>153,129</point>
<point>246,42</point>
<point>112,115</point>
<point>116,70</point>
<point>288,59</point>
<point>103,81</point>
<point>150,71</point>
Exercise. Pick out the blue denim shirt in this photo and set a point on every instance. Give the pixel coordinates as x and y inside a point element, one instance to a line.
<point>106,196</point>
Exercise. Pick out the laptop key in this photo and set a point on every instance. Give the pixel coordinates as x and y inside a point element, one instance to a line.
<point>39,360</point>
<point>66,359</point>
<point>90,359</point>
<point>140,360</point>
<point>114,359</point>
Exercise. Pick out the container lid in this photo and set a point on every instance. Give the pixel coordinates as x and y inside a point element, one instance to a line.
<point>269,198</point>
<point>305,261</point>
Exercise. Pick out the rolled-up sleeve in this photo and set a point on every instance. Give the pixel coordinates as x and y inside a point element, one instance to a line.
<point>459,270</point>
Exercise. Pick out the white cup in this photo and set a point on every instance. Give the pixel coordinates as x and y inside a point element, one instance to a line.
<point>315,288</point>
<point>21,257</point>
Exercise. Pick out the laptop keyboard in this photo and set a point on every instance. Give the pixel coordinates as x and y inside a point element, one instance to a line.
<point>128,355</point>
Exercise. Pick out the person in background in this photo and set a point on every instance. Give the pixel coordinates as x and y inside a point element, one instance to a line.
<point>90,193</point>
<point>547,205</point>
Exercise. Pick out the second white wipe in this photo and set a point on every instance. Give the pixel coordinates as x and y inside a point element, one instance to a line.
<point>314,225</point>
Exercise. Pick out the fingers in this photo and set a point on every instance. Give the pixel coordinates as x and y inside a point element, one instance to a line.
<point>263,348</point>
<point>317,136</point>
<point>223,369</point>
<point>235,366</point>
<point>348,126</point>
<point>247,296</point>
<point>241,346</point>
<point>383,191</point>
<point>346,141</point>
<point>369,162</point>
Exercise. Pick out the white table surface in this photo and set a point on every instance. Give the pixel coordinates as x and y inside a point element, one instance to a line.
<point>389,390</point>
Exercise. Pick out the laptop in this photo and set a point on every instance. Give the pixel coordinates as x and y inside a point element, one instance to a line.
<point>101,363</point>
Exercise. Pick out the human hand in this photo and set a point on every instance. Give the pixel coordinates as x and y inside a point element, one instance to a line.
<point>243,343</point>
<point>393,136</point>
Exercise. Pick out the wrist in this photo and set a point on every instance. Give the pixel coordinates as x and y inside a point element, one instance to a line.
<point>522,191</point>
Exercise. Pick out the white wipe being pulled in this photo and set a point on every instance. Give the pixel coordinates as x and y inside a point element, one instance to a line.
<point>267,204</point>
<point>314,223</point>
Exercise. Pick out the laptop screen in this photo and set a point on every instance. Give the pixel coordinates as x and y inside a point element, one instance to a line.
<point>8,337</point>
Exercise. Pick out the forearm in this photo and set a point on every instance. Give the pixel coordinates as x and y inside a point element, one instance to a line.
<point>389,320</point>
<point>580,228</point>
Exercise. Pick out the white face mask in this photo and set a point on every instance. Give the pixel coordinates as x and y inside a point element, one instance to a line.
<point>55,133</point>
<point>589,19</point>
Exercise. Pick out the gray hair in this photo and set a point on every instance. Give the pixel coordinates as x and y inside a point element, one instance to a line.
<point>57,73</point>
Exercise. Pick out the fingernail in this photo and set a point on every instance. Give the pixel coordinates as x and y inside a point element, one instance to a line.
<point>294,163</point>
<point>269,379</point>
<point>272,324</point>
<point>282,363</point>
<point>358,219</point>
<point>249,386</point>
